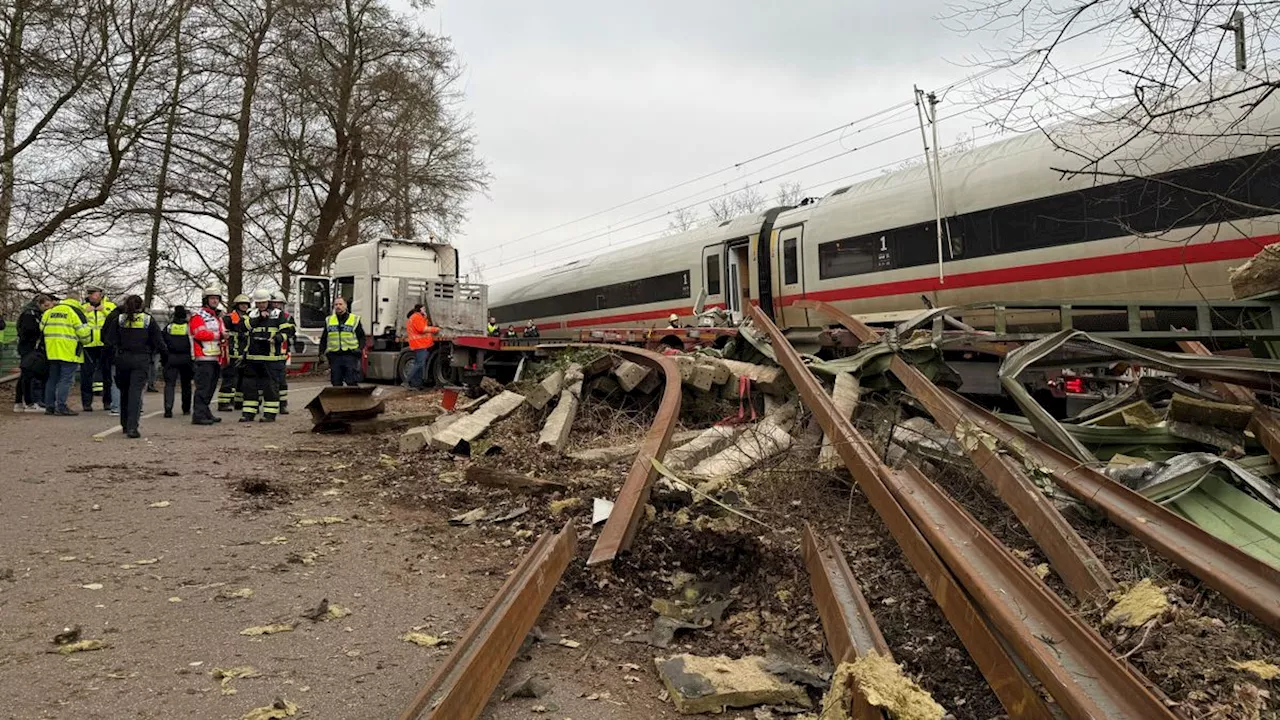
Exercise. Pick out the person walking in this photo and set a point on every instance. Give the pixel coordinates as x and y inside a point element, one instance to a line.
<point>95,369</point>
<point>263,349</point>
<point>34,367</point>
<point>230,397</point>
<point>66,330</point>
<point>342,343</point>
<point>280,368</point>
<point>178,367</point>
<point>422,337</point>
<point>134,338</point>
<point>208,354</point>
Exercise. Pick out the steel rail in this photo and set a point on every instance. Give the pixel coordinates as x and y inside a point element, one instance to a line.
<point>847,621</point>
<point>1019,698</point>
<point>460,688</point>
<point>1073,662</point>
<point>1082,572</point>
<point>1265,425</point>
<point>620,529</point>
<point>1245,580</point>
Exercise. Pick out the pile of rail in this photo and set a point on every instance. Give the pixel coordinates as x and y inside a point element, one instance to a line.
<point>1025,640</point>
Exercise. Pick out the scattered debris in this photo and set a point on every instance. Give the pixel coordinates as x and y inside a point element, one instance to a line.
<point>1264,670</point>
<point>326,611</point>
<point>600,510</point>
<point>224,676</point>
<point>313,521</point>
<point>240,594</point>
<point>81,646</point>
<point>530,687</point>
<point>713,684</point>
<point>423,639</point>
<point>560,507</point>
<point>160,504</point>
<point>1136,606</point>
<point>472,426</point>
<point>491,477</point>
<point>277,710</point>
<point>881,682</point>
<point>268,629</point>
<point>469,518</point>
<point>67,636</point>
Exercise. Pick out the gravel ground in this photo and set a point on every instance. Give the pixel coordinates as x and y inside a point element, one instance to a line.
<point>84,545</point>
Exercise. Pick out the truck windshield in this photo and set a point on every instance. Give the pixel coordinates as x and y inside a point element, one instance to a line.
<point>313,301</point>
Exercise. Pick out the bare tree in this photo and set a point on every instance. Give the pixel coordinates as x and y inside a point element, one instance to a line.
<point>1186,80</point>
<point>790,193</point>
<point>682,219</point>
<point>744,201</point>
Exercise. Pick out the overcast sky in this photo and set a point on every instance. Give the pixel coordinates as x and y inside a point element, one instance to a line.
<point>579,105</point>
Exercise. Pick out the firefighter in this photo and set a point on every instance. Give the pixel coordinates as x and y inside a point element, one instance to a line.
<point>673,321</point>
<point>280,368</point>
<point>208,353</point>
<point>135,339</point>
<point>95,369</point>
<point>342,343</point>
<point>492,328</point>
<point>230,397</point>
<point>531,329</point>
<point>262,325</point>
<point>65,329</point>
<point>178,369</point>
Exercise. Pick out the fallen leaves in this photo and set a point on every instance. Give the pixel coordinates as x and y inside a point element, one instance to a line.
<point>160,504</point>
<point>277,710</point>
<point>81,646</point>
<point>268,629</point>
<point>1264,670</point>
<point>423,639</point>
<point>1136,606</point>
<point>241,594</point>
<point>226,675</point>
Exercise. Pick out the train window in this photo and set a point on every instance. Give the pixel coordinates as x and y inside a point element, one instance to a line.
<point>854,256</point>
<point>713,274</point>
<point>790,262</point>
<point>915,245</point>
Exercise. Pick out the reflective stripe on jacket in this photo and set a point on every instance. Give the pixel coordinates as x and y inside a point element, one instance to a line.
<point>66,330</point>
<point>206,334</point>
<point>96,317</point>
<point>263,331</point>
<point>341,337</point>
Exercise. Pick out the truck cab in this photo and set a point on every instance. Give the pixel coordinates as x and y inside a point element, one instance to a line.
<point>382,280</point>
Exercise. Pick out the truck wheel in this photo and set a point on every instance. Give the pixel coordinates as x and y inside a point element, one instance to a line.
<point>441,371</point>
<point>404,365</point>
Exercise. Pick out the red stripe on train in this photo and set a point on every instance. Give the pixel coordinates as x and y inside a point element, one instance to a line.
<point>1217,251</point>
<point>1097,265</point>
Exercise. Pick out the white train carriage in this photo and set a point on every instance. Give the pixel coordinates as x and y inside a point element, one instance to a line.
<point>1018,229</point>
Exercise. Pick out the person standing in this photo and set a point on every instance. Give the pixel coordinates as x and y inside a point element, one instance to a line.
<point>531,329</point>
<point>260,393</point>
<point>95,369</point>
<point>342,343</point>
<point>280,368</point>
<point>208,354</point>
<point>134,338</point>
<point>492,328</point>
<point>230,396</point>
<point>29,394</point>
<point>66,330</point>
<point>178,367</point>
<point>422,337</point>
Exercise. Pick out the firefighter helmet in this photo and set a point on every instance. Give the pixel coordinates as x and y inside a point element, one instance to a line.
<point>261,295</point>
<point>277,296</point>
<point>241,298</point>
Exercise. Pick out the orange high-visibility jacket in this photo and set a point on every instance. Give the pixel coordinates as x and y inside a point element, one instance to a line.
<point>422,334</point>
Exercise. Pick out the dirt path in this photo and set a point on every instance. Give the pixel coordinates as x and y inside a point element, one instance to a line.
<point>86,544</point>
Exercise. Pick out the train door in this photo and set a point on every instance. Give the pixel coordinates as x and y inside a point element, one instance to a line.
<point>738,275</point>
<point>712,277</point>
<point>789,263</point>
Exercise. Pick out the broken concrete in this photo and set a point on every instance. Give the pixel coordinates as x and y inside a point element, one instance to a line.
<point>707,443</point>
<point>767,438</point>
<point>599,366</point>
<point>545,391</point>
<point>604,386</point>
<point>650,383</point>
<point>713,684</point>
<point>415,439</point>
<point>555,431</point>
<point>1259,276</point>
<point>845,398</point>
<point>473,426</point>
<point>630,374</point>
<point>771,380</point>
<point>719,371</point>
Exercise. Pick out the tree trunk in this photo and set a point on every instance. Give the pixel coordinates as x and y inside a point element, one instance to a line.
<point>12,73</point>
<point>162,180</point>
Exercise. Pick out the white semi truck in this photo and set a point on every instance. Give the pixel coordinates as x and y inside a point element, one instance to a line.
<point>381,281</point>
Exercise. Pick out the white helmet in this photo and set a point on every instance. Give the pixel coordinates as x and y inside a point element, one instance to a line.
<point>210,291</point>
<point>261,296</point>
<point>673,317</point>
<point>277,296</point>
